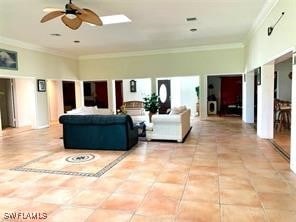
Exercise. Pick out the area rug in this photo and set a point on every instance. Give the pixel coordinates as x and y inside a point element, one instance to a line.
<point>74,162</point>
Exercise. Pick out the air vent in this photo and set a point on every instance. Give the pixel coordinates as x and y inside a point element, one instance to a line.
<point>190,19</point>
<point>76,41</point>
<point>55,34</point>
<point>193,30</point>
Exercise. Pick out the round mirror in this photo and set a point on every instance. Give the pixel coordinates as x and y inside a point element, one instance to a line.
<point>163,93</point>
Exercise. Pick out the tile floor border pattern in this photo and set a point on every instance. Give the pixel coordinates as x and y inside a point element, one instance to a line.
<point>280,150</point>
<point>101,172</point>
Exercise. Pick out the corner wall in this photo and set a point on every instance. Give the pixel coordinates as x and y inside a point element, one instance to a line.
<point>261,48</point>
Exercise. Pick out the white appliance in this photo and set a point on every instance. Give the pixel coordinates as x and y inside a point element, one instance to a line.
<point>212,107</point>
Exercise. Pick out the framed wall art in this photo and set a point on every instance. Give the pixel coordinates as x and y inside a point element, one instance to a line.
<point>133,86</point>
<point>41,85</point>
<point>258,75</point>
<point>8,59</point>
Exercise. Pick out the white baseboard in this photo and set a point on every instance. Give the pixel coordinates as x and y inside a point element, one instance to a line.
<point>41,127</point>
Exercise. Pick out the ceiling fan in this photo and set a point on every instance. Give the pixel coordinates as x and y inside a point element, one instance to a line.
<point>73,16</point>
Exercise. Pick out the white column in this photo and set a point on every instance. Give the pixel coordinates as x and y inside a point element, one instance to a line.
<point>60,97</point>
<point>113,96</point>
<point>79,94</point>
<point>110,96</point>
<point>293,119</point>
<point>265,103</point>
<point>153,85</point>
<point>203,96</point>
<point>248,97</point>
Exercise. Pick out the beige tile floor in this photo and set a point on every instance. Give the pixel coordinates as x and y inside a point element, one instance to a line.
<point>223,172</point>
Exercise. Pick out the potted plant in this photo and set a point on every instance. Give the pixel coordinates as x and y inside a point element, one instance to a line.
<point>151,104</point>
<point>197,102</point>
<point>197,92</point>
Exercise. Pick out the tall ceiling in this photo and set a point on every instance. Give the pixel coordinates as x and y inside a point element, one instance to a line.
<point>156,24</point>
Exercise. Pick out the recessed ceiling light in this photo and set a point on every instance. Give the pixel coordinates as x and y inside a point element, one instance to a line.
<point>193,30</point>
<point>76,41</point>
<point>114,19</point>
<point>190,19</point>
<point>55,34</point>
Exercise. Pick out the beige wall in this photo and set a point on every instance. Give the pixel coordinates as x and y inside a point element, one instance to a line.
<point>55,99</point>
<point>261,48</point>
<point>25,104</point>
<point>41,65</point>
<point>171,64</point>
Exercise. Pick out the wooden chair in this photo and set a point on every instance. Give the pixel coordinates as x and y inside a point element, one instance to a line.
<point>282,114</point>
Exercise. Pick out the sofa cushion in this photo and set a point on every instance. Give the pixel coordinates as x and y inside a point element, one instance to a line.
<point>89,110</point>
<point>95,119</point>
<point>177,110</point>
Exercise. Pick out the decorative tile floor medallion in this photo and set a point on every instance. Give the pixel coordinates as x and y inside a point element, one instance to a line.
<point>93,164</point>
<point>79,158</point>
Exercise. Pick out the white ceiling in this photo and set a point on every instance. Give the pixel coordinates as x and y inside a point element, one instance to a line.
<point>156,24</point>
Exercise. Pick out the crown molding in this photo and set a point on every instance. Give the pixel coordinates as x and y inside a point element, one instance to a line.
<point>163,51</point>
<point>264,13</point>
<point>29,46</point>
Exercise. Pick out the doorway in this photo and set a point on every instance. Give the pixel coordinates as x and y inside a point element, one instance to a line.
<point>69,97</point>
<point>118,94</point>
<point>283,103</point>
<point>7,104</point>
<point>164,92</point>
<point>231,95</point>
<point>225,95</point>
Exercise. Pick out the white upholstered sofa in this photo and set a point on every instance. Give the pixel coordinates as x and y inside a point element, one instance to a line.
<point>174,126</point>
<point>89,110</point>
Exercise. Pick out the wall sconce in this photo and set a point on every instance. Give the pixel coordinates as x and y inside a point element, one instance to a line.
<point>270,28</point>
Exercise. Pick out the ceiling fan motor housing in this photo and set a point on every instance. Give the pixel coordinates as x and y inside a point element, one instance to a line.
<point>70,10</point>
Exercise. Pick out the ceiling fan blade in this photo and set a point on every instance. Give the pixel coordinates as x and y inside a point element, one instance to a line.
<point>72,23</point>
<point>90,17</point>
<point>51,15</point>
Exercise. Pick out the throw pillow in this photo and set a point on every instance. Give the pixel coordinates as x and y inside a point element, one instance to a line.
<point>177,110</point>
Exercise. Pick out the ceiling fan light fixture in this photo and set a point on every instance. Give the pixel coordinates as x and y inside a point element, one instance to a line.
<point>114,19</point>
<point>71,16</point>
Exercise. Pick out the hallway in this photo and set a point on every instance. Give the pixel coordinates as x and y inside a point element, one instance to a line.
<point>222,172</point>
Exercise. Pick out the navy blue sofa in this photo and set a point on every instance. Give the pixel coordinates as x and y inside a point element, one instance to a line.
<point>103,132</point>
